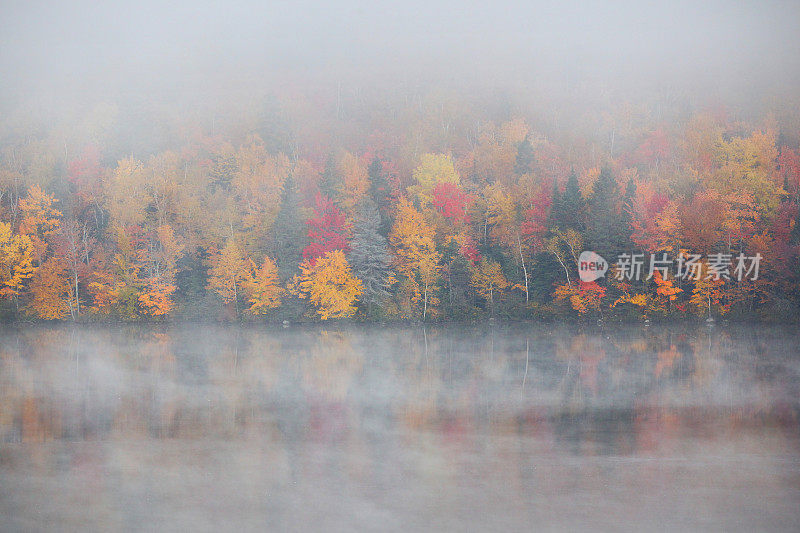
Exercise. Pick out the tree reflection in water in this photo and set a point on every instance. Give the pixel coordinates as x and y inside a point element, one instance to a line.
<point>396,428</point>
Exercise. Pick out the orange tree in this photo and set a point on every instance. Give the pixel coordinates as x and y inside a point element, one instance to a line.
<point>329,285</point>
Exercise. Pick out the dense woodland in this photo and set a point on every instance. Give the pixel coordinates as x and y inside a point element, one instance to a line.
<point>431,207</point>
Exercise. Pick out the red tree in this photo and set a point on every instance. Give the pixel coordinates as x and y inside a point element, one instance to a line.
<point>451,201</point>
<point>327,230</point>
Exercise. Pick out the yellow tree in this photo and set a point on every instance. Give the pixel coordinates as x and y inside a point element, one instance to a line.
<point>583,297</point>
<point>263,287</point>
<point>16,261</point>
<point>666,288</point>
<point>50,291</point>
<point>101,283</point>
<point>487,277</point>
<point>565,246</point>
<point>329,285</point>
<point>156,299</point>
<point>229,270</point>
<point>355,182</point>
<point>39,219</point>
<point>637,302</point>
<point>495,152</point>
<point>415,253</point>
<point>429,273</point>
<point>160,267</point>
<point>139,280</point>
<point>116,285</point>
<point>258,183</point>
<point>128,197</point>
<point>707,293</point>
<point>432,170</point>
<point>747,165</point>
<point>499,216</point>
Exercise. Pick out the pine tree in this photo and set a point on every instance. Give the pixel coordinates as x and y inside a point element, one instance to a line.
<point>288,232</point>
<point>608,232</point>
<point>627,213</point>
<point>369,254</point>
<point>381,194</point>
<point>572,208</point>
<point>458,276</point>
<point>525,157</point>
<point>554,219</point>
<point>794,236</point>
<point>330,182</point>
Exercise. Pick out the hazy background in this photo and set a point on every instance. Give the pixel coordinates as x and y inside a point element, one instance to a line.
<point>141,66</point>
<point>59,52</point>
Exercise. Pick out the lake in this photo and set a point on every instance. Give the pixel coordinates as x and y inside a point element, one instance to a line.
<point>522,427</point>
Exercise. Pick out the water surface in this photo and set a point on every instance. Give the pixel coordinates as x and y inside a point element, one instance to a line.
<point>202,428</point>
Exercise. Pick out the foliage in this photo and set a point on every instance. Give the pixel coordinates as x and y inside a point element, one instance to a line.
<point>263,287</point>
<point>416,258</point>
<point>328,230</point>
<point>50,291</point>
<point>488,278</point>
<point>329,285</point>
<point>583,297</point>
<point>229,271</point>
<point>432,214</point>
<point>433,170</point>
<point>16,261</point>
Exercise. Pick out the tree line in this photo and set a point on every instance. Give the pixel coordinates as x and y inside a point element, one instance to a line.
<point>491,227</point>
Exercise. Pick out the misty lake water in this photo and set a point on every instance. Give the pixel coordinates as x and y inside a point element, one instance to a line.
<point>203,428</point>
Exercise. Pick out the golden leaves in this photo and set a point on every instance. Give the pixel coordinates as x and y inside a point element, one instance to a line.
<point>329,285</point>
<point>432,170</point>
<point>229,270</point>
<point>263,287</point>
<point>16,261</point>
<point>50,291</point>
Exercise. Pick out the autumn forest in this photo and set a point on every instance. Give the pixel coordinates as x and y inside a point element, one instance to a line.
<point>444,213</point>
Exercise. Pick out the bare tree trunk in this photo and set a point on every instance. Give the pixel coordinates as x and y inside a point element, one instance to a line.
<point>425,307</point>
<point>77,300</point>
<point>524,270</point>
<point>566,271</point>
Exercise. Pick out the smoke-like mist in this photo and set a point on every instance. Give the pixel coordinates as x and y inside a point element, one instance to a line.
<point>397,428</point>
<point>64,58</point>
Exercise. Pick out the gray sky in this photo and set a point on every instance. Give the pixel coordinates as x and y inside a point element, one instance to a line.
<point>107,51</point>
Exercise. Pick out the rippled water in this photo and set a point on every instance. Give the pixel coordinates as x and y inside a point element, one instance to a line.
<point>523,428</point>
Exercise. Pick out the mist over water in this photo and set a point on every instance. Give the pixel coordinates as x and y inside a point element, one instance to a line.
<point>165,134</point>
<point>521,427</point>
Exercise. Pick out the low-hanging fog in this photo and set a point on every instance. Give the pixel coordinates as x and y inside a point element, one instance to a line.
<point>315,265</point>
<point>398,428</point>
<point>140,65</point>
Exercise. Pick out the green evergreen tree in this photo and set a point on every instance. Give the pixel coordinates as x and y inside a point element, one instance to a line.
<point>369,255</point>
<point>330,180</point>
<point>381,194</point>
<point>222,169</point>
<point>627,212</point>
<point>794,236</point>
<point>288,233</point>
<point>608,229</point>
<point>525,157</point>
<point>572,209</point>
<point>554,219</point>
<point>459,292</point>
